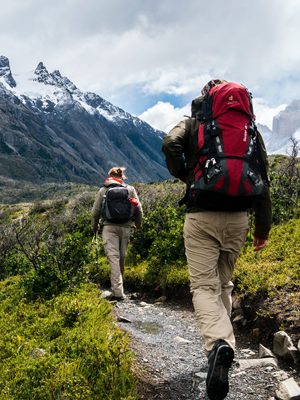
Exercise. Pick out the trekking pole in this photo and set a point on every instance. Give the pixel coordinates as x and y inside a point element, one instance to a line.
<point>97,248</point>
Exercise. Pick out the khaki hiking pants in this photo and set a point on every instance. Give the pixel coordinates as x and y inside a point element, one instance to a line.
<point>115,240</point>
<point>213,241</point>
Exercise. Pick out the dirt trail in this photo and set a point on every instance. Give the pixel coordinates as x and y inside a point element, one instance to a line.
<point>171,361</point>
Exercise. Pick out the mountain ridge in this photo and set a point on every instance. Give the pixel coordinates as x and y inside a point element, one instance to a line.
<point>49,129</point>
<point>285,130</point>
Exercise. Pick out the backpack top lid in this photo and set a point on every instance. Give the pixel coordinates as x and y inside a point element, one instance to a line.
<point>230,95</point>
<point>113,181</point>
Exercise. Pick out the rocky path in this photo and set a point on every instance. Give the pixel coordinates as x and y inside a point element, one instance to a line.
<point>171,363</point>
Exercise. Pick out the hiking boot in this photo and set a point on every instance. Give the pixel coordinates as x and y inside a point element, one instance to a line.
<point>219,362</point>
<point>116,298</point>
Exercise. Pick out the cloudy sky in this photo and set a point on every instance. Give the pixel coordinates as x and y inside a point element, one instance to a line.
<point>151,57</point>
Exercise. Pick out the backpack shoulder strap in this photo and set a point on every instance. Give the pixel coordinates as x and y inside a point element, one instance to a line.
<point>207,107</point>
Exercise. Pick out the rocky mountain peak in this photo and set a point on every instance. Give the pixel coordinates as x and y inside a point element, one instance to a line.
<point>54,78</point>
<point>62,81</point>
<point>4,62</point>
<point>287,121</point>
<point>56,73</point>
<point>60,133</point>
<point>5,71</point>
<point>41,73</point>
<point>294,106</point>
<point>40,67</point>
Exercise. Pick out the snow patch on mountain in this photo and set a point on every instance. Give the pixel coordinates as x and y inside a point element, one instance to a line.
<point>46,90</point>
<point>285,145</point>
<point>65,133</point>
<point>5,73</point>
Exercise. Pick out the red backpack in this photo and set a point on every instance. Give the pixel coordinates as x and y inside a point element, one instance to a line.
<point>228,174</point>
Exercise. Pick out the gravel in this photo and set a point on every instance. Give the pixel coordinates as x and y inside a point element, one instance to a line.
<point>170,360</point>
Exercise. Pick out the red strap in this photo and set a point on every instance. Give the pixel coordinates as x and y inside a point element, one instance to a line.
<point>134,201</point>
<point>201,136</point>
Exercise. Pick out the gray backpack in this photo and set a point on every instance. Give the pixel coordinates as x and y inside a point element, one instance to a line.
<point>116,205</point>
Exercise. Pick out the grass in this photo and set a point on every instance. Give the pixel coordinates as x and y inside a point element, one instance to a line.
<point>277,266</point>
<point>64,348</point>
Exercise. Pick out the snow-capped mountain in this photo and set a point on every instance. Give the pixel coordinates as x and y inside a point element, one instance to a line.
<point>286,125</point>
<point>51,130</point>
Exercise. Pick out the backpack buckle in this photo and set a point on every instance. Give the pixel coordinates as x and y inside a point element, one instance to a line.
<point>209,162</point>
<point>212,169</point>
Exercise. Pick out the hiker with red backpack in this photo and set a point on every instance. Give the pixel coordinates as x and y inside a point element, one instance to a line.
<point>117,210</point>
<point>220,155</point>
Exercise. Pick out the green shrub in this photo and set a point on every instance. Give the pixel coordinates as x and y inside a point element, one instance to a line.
<point>56,270</point>
<point>99,272</point>
<point>285,185</point>
<point>152,274</point>
<point>278,265</point>
<point>13,264</point>
<point>161,235</point>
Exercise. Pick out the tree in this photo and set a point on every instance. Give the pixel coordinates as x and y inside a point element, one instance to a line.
<point>285,186</point>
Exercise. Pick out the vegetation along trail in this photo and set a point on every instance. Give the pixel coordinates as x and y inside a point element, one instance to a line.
<point>171,363</point>
<point>59,338</point>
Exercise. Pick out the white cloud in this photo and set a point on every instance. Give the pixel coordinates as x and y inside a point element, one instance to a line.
<point>164,116</point>
<point>175,81</point>
<point>265,113</point>
<point>162,46</point>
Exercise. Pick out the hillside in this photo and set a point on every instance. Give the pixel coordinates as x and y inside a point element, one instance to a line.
<point>52,131</point>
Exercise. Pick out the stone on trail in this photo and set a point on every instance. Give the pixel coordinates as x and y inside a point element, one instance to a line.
<point>257,363</point>
<point>288,390</point>
<point>161,299</point>
<point>283,346</point>
<point>247,353</point>
<point>144,304</point>
<point>106,294</point>
<point>180,340</point>
<point>123,319</point>
<point>265,352</point>
<point>280,375</point>
<point>201,375</point>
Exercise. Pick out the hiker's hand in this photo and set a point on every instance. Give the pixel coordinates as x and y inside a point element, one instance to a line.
<point>133,228</point>
<point>259,244</point>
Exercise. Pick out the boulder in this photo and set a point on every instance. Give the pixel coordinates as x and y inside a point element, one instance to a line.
<point>284,347</point>
<point>288,390</point>
<point>265,352</point>
<point>257,363</point>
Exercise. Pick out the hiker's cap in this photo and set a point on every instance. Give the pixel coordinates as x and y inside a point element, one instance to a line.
<point>206,88</point>
<point>117,172</point>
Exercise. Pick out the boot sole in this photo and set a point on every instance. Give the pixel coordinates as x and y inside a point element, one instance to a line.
<point>217,378</point>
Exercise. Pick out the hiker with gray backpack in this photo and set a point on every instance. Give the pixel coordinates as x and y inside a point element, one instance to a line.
<point>116,211</point>
<point>220,155</point>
